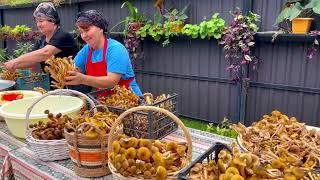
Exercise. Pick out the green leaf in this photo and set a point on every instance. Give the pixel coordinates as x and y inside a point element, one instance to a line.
<point>317,9</point>
<point>183,17</point>
<point>130,7</point>
<point>215,15</point>
<point>295,11</point>
<point>312,4</point>
<point>284,15</point>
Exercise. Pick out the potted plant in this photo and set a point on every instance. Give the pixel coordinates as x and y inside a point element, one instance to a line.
<point>299,12</point>
<point>174,23</point>
<point>176,19</point>
<point>133,23</point>
<point>153,29</point>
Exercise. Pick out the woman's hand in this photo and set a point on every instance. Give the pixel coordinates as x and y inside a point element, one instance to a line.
<point>11,65</point>
<point>74,78</point>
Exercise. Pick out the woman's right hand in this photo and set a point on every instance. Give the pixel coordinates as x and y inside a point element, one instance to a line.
<point>11,65</point>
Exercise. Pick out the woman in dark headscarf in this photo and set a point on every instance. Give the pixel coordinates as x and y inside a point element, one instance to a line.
<point>103,62</point>
<point>55,42</point>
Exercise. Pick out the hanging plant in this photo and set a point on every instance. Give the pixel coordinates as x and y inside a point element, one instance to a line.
<point>238,41</point>
<point>312,50</point>
<point>173,24</point>
<point>133,23</point>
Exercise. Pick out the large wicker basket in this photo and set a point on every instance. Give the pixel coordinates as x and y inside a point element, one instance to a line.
<point>89,155</point>
<point>50,150</point>
<point>114,133</point>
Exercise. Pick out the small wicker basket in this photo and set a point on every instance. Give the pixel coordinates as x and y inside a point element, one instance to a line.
<point>113,134</point>
<point>50,150</point>
<point>89,155</point>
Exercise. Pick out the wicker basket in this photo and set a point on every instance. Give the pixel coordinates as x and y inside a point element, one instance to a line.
<point>89,155</point>
<point>113,133</point>
<point>50,150</point>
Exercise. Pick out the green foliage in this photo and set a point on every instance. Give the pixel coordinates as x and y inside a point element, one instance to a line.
<point>153,30</point>
<point>207,29</point>
<point>223,129</point>
<point>20,29</point>
<point>176,15</point>
<point>22,48</point>
<point>212,28</point>
<point>20,2</point>
<point>298,9</point>
<point>134,16</point>
<point>3,55</point>
<point>170,30</point>
<point>191,30</point>
<point>6,29</point>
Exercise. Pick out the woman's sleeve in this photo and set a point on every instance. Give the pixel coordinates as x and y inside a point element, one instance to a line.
<point>81,58</point>
<point>118,60</point>
<point>62,40</point>
<point>36,45</point>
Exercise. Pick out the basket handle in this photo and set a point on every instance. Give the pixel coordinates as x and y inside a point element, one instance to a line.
<point>150,108</point>
<point>98,106</point>
<point>55,92</point>
<point>103,143</point>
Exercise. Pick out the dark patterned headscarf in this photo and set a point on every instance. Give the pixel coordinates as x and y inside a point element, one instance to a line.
<point>48,11</point>
<point>93,17</point>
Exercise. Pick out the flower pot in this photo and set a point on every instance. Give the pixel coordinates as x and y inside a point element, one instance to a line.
<point>301,25</point>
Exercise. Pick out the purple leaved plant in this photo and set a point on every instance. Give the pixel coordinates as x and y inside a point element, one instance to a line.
<point>312,50</point>
<point>238,41</point>
<point>132,40</point>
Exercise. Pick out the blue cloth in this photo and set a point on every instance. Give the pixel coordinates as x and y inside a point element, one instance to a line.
<point>118,61</point>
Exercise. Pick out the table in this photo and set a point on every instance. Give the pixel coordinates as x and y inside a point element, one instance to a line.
<point>7,143</point>
<point>18,161</point>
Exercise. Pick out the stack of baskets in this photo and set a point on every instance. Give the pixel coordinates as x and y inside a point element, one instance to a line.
<point>50,150</point>
<point>89,155</point>
<point>114,135</point>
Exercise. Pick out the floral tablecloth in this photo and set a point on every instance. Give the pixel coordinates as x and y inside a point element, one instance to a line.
<point>7,143</point>
<point>18,161</point>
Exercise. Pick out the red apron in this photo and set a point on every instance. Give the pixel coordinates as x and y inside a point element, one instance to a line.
<point>101,69</point>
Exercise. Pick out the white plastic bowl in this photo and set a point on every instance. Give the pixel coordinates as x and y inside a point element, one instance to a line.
<point>14,112</point>
<point>26,94</point>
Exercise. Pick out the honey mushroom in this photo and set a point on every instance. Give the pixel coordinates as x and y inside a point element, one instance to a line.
<point>58,69</point>
<point>277,136</point>
<point>146,158</point>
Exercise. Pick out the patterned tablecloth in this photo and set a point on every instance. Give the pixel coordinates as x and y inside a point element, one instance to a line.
<point>18,161</point>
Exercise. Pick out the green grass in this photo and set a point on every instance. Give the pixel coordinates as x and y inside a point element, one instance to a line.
<point>203,126</point>
<point>195,124</point>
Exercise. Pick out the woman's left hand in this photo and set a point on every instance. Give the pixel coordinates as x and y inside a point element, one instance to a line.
<point>74,78</point>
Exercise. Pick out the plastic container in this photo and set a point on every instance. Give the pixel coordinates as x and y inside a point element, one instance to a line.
<point>210,154</point>
<point>6,85</point>
<point>150,125</point>
<point>30,82</point>
<point>14,112</point>
<point>26,94</point>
